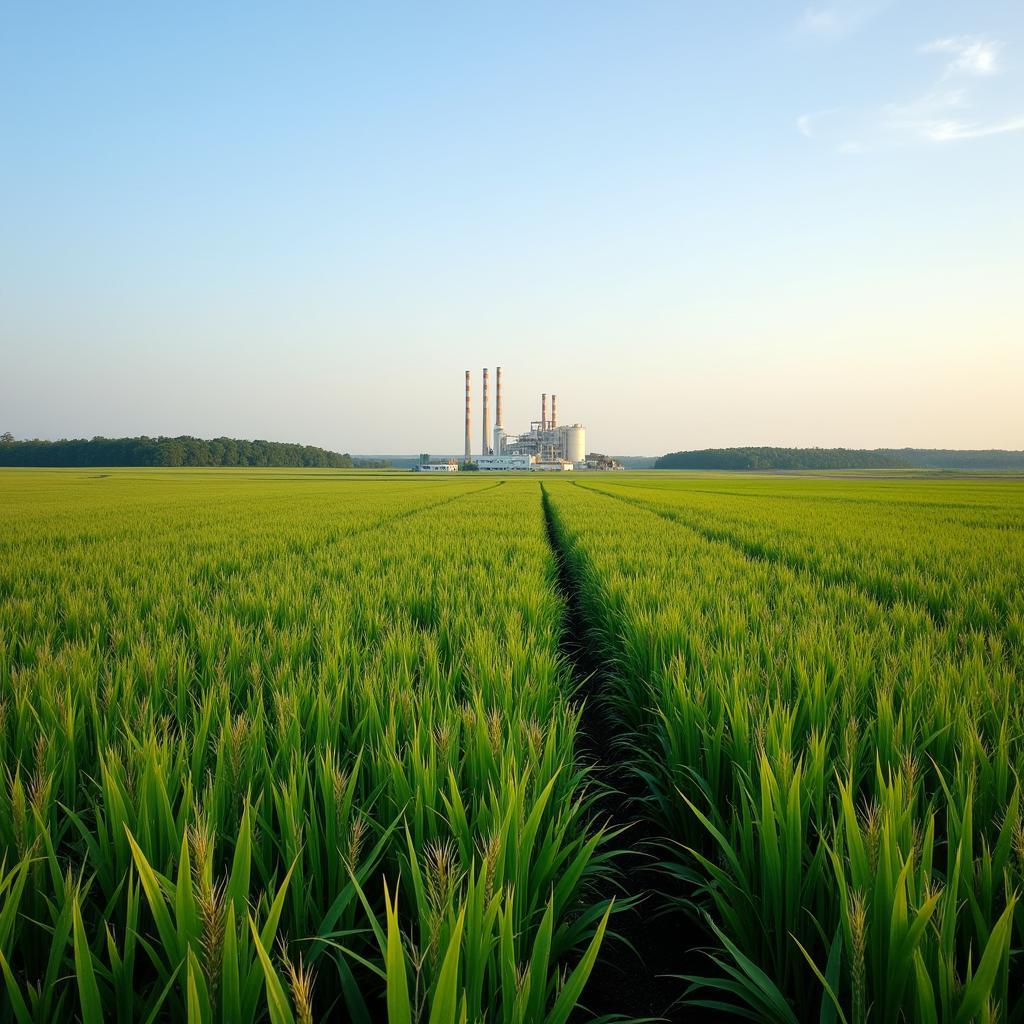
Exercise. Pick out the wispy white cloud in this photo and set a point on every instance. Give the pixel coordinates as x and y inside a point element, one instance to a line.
<point>944,115</point>
<point>969,54</point>
<point>934,105</point>
<point>950,131</point>
<point>954,108</point>
<point>837,19</point>
<point>821,21</point>
<point>805,123</point>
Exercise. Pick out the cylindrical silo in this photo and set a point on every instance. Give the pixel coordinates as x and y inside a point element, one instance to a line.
<point>575,443</point>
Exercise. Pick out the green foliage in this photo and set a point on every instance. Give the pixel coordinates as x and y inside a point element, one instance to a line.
<point>838,458</point>
<point>945,458</point>
<point>172,451</point>
<point>243,719</point>
<point>292,747</point>
<point>783,458</point>
<point>819,684</point>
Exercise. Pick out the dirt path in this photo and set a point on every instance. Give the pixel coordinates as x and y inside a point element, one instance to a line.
<point>626,982</point>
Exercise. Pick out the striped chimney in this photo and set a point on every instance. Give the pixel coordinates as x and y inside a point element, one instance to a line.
<point>544,412</point>
<point>497,398</point>
<point>469,446</point>
<point>485,447</point>
<point>554,411</point>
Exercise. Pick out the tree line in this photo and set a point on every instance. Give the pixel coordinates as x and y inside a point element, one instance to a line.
<point>170,451</point>
<point>783,458</point>
<point>948,458</point>
<point>842,458</point>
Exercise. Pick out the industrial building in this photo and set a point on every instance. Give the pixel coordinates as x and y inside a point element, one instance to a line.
<point>546,446</point>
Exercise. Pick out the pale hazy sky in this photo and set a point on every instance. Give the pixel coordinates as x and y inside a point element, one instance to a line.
<point>700,224</point>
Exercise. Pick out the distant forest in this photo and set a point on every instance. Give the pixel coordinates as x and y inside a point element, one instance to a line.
<point>950,458</point>
<point>840,458</point>
<point>170,451</point>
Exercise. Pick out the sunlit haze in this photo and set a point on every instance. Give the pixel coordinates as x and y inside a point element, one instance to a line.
<point>701,225</point>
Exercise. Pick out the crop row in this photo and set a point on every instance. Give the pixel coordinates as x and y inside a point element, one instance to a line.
<point>281,748</point>
<point>838,775</point>
<point>956,555</point>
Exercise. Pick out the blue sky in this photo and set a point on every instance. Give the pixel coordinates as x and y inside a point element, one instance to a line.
<point>700,225</point>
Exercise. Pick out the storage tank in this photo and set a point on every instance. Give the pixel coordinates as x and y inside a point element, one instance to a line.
<point>575,443</point>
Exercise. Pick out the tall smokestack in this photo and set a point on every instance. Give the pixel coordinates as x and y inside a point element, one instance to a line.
<point>469,445</point>
<point>554,411</point>
<point>485,446</point>
<point>544,412</point>
<point>497,398</point>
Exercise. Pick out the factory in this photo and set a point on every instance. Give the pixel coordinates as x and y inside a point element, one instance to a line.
<point>546,446</point>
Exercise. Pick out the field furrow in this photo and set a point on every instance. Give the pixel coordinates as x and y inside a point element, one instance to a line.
<point>288,747</point>
<point>970,586</point>
<point>632,975</point>
<point>841,777</point>
<point>240,737</point>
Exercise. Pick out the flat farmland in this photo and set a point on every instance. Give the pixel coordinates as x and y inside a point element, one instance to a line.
<point>316,745</point>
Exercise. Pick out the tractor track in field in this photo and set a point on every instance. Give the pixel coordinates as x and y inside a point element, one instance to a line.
<point>265,558</point>
<point>629,982</point>
<point>755,553</point>
<point>409,512</point>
